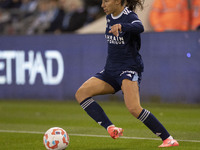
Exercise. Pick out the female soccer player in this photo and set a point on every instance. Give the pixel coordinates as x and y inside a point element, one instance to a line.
<point>122,71</point>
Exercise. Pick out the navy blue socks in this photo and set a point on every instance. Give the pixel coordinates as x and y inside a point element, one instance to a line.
<point>95,111</point>
<point>153,124</point>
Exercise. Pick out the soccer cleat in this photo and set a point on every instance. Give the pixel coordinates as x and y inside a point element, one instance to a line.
<point>169,143</point>
<point>115,132</point>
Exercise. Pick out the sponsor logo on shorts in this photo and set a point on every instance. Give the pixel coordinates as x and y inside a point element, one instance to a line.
<point>128,73</point>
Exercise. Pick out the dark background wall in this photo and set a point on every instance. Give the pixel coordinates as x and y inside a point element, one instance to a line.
<point>172,66</point>
<point>54,66</point>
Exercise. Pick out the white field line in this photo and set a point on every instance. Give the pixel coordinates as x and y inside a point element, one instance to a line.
<point>89,135</point>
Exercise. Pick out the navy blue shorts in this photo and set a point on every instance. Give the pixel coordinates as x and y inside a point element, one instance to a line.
<point>115,79</point>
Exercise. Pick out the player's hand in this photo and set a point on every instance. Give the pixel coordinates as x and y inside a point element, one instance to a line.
<point>115,29</point>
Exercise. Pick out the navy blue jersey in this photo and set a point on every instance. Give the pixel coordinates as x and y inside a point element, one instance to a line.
<point>123,51</point>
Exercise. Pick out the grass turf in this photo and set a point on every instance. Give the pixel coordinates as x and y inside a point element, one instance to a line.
<point>182,121</point>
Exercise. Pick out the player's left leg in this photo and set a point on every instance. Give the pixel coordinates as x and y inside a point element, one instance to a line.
<point>132,101</point>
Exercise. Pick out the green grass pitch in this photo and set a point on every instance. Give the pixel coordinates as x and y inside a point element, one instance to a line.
<point>23,123</point>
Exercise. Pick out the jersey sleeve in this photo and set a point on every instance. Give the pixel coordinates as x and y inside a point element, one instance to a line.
<point>133,25</point>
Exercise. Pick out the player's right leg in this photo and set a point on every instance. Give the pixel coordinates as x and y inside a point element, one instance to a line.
<point>84,94</point>
<point>93,87</point>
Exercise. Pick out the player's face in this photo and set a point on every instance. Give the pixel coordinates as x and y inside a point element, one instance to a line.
<point>110,6</point>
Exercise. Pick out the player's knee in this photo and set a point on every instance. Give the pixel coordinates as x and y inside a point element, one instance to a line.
<point>81,94</point>
<point>78,95</point>
<point>135,111</point>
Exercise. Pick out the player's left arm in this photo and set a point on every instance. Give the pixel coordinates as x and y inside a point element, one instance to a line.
<point>134,25</point>
<point>115,29</point>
